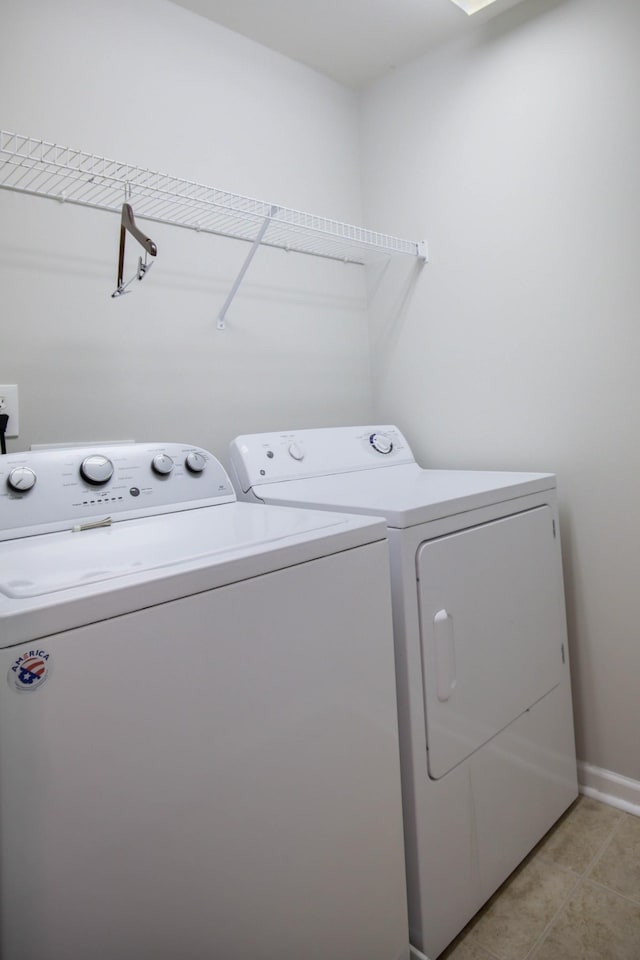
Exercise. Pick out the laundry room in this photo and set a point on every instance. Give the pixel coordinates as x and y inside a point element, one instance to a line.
<point>506,150</point>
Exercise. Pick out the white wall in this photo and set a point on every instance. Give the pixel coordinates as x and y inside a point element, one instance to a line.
<point>147,82</point>
<point>517,154</point>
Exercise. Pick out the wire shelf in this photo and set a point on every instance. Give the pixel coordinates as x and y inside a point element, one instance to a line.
<point>47,169</point>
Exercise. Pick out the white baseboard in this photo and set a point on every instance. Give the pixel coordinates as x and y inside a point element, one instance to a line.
<point>611,788</point>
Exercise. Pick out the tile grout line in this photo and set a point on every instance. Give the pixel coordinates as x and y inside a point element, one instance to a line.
<point>490,954</point>
<point>615,893</point>
<point>548,861</point>
<point>538,943</point>
<point>605,843</point>
<point>581,879</point>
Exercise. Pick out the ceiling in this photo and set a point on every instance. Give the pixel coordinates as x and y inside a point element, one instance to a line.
<point>352,41</point>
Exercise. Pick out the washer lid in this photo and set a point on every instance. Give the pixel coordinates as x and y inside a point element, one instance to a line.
<point>57,581</point>
<point>405,494</point>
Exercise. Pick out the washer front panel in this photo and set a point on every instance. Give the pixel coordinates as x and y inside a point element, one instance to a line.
<point>212,777</point>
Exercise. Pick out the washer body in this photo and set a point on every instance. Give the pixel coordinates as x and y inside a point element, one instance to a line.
<point>486,726</point>
<point>198,721</point>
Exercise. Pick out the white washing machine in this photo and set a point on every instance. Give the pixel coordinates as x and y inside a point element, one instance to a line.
<point>486,727</point>
<point>198,723</point>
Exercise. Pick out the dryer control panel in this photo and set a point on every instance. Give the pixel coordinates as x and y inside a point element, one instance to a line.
<point>77,487</point>
<point>298,454</point>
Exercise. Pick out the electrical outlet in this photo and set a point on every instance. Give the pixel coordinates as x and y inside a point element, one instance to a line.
<point>9,405</point>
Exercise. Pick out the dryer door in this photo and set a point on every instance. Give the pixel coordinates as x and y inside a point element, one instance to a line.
<point>492,629</point>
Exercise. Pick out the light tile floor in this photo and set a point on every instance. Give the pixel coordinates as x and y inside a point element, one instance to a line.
<point>575,897</point>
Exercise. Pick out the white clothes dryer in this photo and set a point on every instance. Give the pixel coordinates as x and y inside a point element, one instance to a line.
<point>198,722</point>
<point>486,727</point>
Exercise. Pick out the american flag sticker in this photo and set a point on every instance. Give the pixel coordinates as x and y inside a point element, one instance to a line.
<point>29,671</point>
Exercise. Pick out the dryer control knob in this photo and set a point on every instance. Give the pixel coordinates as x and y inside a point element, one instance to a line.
<point>296,450</point>
<point>21,479</point>
<point>96,469</point>
<point>162,464</point>
<point>381,442</point>
<point>195,462</point>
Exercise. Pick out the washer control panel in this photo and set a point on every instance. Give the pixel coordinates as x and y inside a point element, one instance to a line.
<point>72,487</point>
<point>273,457</point>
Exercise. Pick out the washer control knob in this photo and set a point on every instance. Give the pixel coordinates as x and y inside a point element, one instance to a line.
<point>162,464</point>
<point>21,479</point>
<point>195,462</point>
<point>96,469</point>
<point>381,442</point>
<point>296,450</point>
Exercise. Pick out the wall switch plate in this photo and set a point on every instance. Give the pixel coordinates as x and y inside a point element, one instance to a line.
<point>9,405</point>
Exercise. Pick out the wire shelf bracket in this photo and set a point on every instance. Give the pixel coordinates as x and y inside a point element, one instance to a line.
<point>45,169</point>
<point>245,266</point>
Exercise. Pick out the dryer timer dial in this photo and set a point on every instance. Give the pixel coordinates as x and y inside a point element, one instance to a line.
<point>381,442</point>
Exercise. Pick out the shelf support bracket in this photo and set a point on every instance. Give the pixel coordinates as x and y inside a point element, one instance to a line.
<point>245,266</point>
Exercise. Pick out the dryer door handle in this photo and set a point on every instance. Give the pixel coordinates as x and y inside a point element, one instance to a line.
<point>445,655</point>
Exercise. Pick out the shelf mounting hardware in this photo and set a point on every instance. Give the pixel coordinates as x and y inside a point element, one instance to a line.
<point>245,266</point>
<point>128,225</point>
